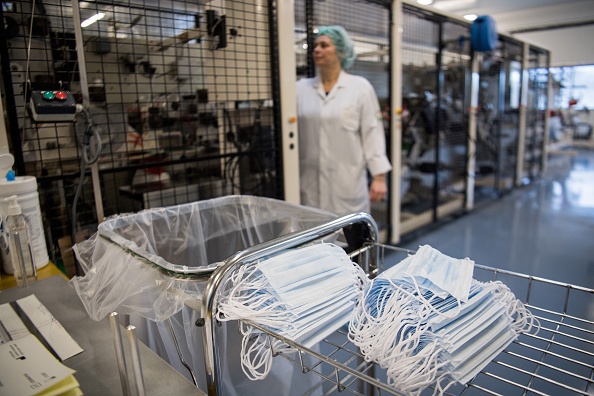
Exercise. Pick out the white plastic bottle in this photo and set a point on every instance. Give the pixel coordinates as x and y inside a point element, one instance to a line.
<point>25,188</point>
<point>21,255</point>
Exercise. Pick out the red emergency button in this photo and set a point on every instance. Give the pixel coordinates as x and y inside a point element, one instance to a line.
<point>61,95</point>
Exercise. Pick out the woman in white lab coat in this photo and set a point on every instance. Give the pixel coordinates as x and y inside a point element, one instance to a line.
<point>341,132</point>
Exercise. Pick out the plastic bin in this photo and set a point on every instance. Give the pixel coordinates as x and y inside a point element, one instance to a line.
<point>153,265</point>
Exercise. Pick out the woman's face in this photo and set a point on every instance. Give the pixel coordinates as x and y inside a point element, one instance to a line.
<point>324,53</point>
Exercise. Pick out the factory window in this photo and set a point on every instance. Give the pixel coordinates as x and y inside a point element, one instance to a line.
<point>575,86</point>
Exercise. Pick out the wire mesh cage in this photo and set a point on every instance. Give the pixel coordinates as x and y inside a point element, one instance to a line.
<point>436,97</point>
<point>368,25</point>
<point>556,360</point>
<point>452,117</point>
<point>498,120</point>
<point>184,98</point>
<point>180,94</point>
<point>419,133</point>
<point>537,104</point>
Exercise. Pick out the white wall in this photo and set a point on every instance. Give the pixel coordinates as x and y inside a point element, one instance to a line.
<point>568,46</point>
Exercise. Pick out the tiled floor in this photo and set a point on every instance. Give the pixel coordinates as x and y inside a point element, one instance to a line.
<point>545,229</point>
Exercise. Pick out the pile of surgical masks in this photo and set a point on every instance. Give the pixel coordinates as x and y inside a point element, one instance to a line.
<point>429,323</point>
<point>303,294</point>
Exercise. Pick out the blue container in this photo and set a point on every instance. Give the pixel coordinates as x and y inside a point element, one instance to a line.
<point>483,34</point>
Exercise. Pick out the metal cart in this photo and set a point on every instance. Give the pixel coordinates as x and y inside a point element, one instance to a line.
<point>558,360</point>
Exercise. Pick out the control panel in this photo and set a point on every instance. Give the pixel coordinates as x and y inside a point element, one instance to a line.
<point>52,106</point>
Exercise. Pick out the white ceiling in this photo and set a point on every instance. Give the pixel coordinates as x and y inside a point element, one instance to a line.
<point>522,15</point>
<point>510,15</point>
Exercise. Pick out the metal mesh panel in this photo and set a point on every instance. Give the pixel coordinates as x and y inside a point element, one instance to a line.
<point>368,25</point>
<point>180,94</point>
<point>487,148</point>
<point>512,52</point>
<point>535,112</point>
<point>453,105</point>
<point>498,120</point>
<point>436,99</point>
<point>420,48</point>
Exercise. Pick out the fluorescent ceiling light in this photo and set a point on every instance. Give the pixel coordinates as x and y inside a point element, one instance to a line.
<point>454,5</point>
<point>470,17</point>
<point>425,2</point>
<point>92,20</point>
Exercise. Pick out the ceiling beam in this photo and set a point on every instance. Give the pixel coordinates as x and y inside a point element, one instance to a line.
<point>567,25</point>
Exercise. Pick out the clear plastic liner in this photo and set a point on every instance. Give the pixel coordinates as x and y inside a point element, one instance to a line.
<point>154,265</point>
<point>155,261</point>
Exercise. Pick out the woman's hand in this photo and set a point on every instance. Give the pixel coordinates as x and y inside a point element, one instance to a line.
<point>378,188</point>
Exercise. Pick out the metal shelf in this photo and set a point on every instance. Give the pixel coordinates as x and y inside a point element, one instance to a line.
<point>559,359</point>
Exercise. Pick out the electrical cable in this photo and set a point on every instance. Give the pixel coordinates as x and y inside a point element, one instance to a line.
<point>90,131</point>
<point>85,159</point>
<point>232,164</point>
<point>215,44</point>
<point>27,81</point>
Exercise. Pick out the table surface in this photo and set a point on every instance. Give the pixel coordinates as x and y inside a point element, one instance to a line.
<point>7,281</point>
<point>96,367</point>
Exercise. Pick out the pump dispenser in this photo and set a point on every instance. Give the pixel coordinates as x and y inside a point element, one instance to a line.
<point>21,255</point>
<point>25,188</point>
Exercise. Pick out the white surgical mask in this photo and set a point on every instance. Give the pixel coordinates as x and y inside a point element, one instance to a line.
<point>465,366</point>
<point>434,271</point>
<point>302,294</point>
<point>429,337</point>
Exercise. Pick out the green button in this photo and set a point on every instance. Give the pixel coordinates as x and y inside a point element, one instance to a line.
<point>48,95</point>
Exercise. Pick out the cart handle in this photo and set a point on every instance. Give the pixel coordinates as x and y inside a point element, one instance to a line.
<point>208,320</point>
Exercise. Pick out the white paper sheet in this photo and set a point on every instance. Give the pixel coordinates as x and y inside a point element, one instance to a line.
<point>27,367</point>
<point>11,324</point>
<point>51,330</point>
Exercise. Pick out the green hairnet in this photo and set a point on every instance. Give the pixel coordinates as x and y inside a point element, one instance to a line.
<point>342,42</point>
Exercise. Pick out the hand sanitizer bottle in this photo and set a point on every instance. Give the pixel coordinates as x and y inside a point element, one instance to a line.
<point>25,271</point>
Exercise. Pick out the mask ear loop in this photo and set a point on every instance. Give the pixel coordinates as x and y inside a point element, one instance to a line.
<point>523,321</point>
<point>358,274</point>
<point>407,349</point>
<point>427,302</point>
<point>397,314</point>
<point>439,389</point>
<point>246,296</point>
<point>256,356</point>
<point>256,350</point>
<point>416,372</point>
<point>384,312</point>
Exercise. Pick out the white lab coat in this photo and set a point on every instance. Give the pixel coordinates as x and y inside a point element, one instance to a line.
<point>341,137</point>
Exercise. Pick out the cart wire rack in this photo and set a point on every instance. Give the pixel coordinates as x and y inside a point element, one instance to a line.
<point>558,360</point>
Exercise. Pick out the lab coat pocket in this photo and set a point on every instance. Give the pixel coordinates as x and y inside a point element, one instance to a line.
<point>349,184</point>
<point>350,119</point>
